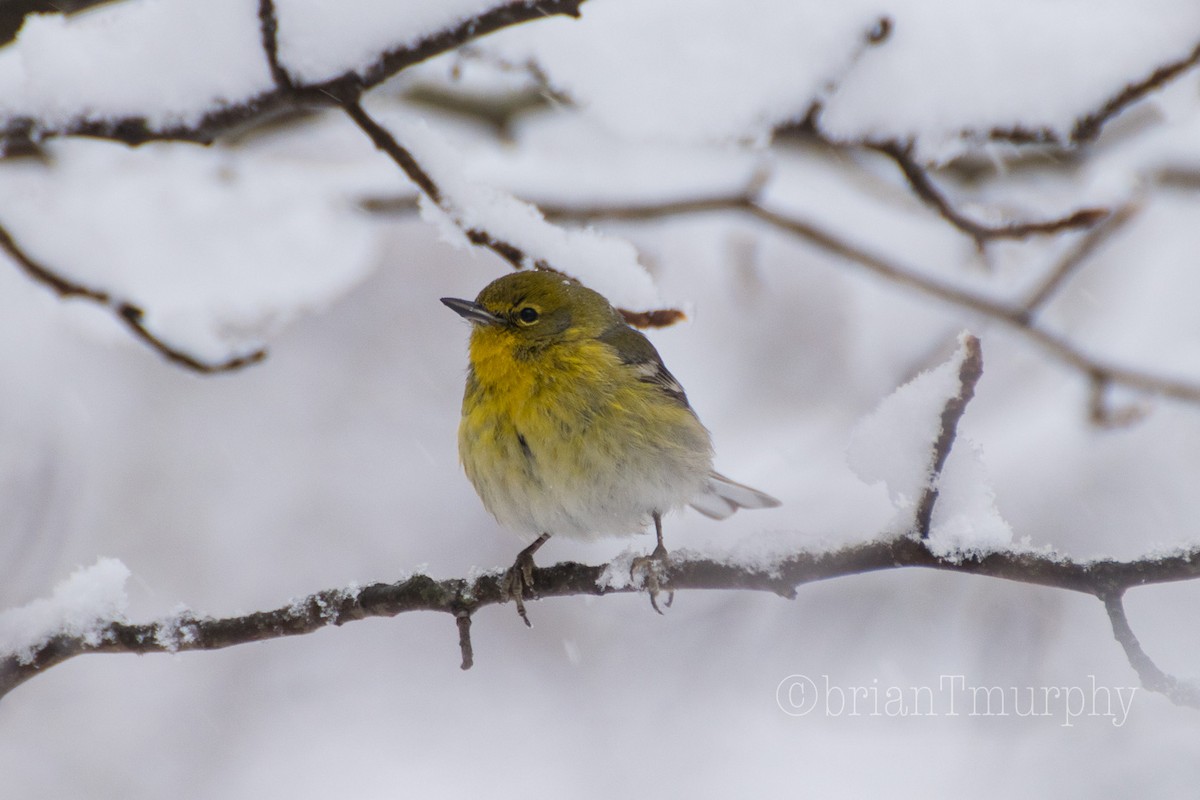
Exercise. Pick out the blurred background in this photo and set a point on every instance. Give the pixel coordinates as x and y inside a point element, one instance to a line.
<point>334,460</point>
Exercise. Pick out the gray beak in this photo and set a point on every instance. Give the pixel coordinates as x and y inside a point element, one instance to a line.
<point>471,311</point>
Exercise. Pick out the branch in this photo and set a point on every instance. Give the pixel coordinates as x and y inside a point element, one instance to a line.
<point>1182,693</point>
<point>1088,127</point>
<point>128,313</point>
<point>462,598</point>
<point>287,95</point>
<point>1077,256</point>
<point>969,372</point>
<point>1018,318</point>
<point>925,189</point>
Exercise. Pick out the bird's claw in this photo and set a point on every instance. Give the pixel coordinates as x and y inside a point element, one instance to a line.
<point>518,582</point>
<point>656,567</point>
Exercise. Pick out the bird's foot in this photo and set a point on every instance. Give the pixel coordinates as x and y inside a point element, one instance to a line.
<point>517,584</point>
<point>656,568</point>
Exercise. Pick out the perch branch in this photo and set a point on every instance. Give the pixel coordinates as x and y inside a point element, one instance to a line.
<point>462,598</point>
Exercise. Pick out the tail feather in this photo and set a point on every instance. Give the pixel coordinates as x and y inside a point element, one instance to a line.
<point>721,497</point>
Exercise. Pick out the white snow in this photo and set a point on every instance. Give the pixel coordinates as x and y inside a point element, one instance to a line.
<point>711,85</point>
<point>81,606</point>
<point>974,65</point>
<point>966,522</point>
<point>894,444</point>
<point>319,40</point>
<point>170,61</point>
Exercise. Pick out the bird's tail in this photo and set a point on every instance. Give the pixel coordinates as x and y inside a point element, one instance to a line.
<point>721,497</point>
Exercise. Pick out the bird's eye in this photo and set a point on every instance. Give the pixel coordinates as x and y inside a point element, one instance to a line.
<point>528,315</point>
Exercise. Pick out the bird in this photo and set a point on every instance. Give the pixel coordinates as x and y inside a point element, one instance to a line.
<point>572,426</point>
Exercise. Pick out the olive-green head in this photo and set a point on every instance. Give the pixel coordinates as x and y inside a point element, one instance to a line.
<point>538,307</point>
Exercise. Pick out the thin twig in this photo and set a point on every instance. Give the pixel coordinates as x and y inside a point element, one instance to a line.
<point>924,188</point>
<point>1077,256</point>
<point>969,372</point>
<point>463,618</point>
<point>1180,692</point>
<point>268,22</point>
<point>129,314</point>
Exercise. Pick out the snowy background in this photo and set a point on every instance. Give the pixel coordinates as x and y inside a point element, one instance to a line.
<point>334,461</point>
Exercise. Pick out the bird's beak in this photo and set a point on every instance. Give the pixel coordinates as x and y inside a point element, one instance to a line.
<point>471,311</point>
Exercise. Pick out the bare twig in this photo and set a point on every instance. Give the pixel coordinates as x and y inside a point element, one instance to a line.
<point>969,372</point>
<point>1077,256</point>
<point>129,314</point>
<point>268,23</point>
<point>463,618</point>
<point>1180,692</point>
<point>462,598</point>
<point>924,188</point>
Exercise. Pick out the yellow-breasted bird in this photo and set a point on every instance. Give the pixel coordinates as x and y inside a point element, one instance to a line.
<point>571,424</point>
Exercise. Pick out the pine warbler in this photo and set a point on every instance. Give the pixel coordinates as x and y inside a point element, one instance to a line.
<point>572,426</point>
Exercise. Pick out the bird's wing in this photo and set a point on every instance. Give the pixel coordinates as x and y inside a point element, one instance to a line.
<point>635,350</point>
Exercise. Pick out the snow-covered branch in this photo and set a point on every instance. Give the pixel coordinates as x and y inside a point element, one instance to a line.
<point>476,210</point>
<point>462,598</point>
<point>22,127</point>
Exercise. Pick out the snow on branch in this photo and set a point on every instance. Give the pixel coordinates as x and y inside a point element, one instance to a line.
<point>237,107</point>
<point>1088,127</point>
<point>461,598</point>
<point>512,229</point>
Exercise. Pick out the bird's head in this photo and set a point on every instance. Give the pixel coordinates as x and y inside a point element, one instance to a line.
<point>534,309</point>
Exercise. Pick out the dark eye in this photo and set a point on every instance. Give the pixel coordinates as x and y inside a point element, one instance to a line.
<point>528,315</point>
